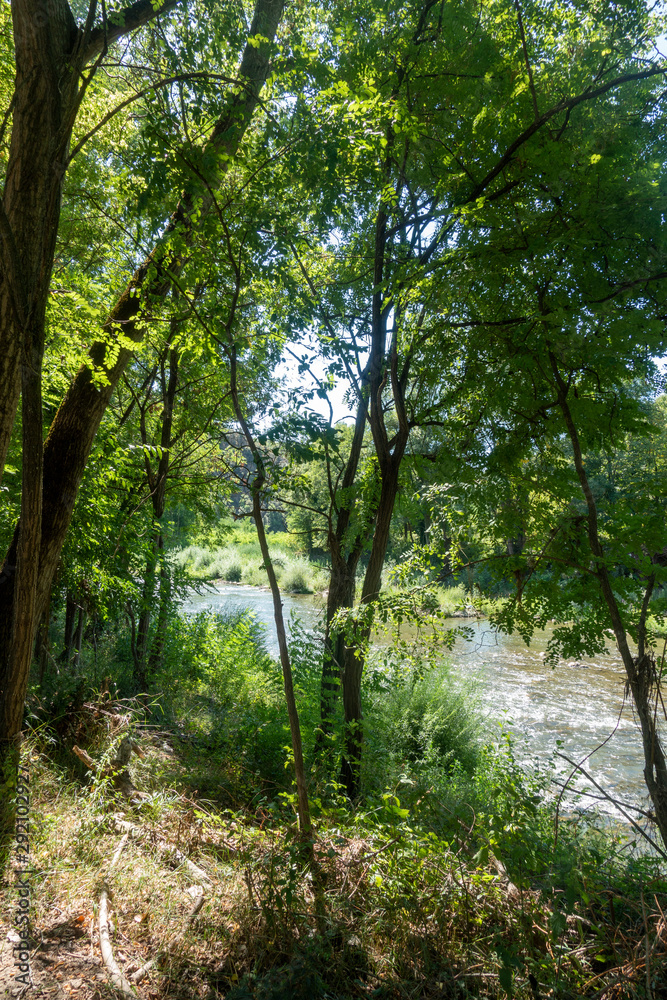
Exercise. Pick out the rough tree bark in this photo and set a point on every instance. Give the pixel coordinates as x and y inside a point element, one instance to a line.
<point>55,60</point>
<point>51,54</point>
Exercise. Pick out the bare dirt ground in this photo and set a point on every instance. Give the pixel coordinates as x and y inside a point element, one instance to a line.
<point>65,959</point>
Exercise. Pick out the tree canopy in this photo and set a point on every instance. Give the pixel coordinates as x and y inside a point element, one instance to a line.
<point>452,212</point>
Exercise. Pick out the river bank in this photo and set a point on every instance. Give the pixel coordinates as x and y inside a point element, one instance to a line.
<point>227,901</point>
<point>577,708</point>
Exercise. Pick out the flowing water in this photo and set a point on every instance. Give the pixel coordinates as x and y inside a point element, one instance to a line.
<point>580,704</point>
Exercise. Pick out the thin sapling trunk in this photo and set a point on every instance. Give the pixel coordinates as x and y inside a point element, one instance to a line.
<point>256,491</point>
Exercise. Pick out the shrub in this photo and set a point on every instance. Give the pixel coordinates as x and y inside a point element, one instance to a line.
<point>295,581</point>
<point>424,729</point>
<point>201,559</point>
<point>218,677</point>
<point>254,574</point>
<point>229,566</point>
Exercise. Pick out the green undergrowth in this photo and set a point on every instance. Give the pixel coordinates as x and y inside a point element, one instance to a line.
<point>448,878</point>
<point>406,897</point>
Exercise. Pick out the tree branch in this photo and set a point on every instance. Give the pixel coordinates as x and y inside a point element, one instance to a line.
<point>122,22</point>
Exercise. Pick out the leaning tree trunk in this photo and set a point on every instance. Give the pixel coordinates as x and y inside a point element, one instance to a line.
<point>257,485</point>
<point>640,671</point>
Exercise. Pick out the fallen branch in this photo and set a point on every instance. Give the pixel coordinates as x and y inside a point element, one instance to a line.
<point>117,978</point>
<point>173,854</point>
<point>137,976</point>
<point>196,907</point>
<point>86,758</point>
<point>167,850</point>
<point>116,769</point>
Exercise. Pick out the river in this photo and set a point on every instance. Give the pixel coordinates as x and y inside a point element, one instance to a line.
<point>580,705</point>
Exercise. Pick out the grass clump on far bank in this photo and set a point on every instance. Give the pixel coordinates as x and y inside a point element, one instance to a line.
<point>242,563</point>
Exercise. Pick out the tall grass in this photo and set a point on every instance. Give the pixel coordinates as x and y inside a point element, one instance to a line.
<point>421,730</point>
<point>242,563</point>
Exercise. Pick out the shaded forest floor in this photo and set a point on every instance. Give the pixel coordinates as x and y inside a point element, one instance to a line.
<point>219,895</point>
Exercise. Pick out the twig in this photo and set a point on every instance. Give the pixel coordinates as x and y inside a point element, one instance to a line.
<point>603,798</point>
<point>649,991</point>
<point>630,820</point>
<point>588,755</point>
<point>114,970</point>
<point>366,857</point>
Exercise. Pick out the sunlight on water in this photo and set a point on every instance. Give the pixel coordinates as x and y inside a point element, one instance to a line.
<point>580,703</point>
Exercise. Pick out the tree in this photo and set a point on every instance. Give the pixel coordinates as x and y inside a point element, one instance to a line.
<point>442,121</point>
<point>51,55</point>
<point>581,316</point>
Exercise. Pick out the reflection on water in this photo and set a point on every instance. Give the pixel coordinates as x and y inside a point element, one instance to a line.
<point>579,703</point>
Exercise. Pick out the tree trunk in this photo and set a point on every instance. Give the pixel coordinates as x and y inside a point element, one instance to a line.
<point>341,581</point>
<point>43,645</point>
<point>44,102</point>
<point>144,620</point>
<point>45,98</point>
<point>157,485</point>
<point>157,647</point>
<point>341,595</point>
<point>50,54</point>
<point>641,670</point>
<point>79,636</point>
<point>355,657</point>
<point>15,665</point>
<point>293,715</point>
